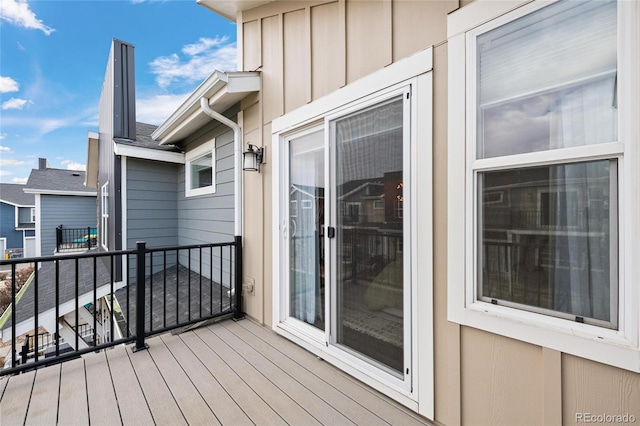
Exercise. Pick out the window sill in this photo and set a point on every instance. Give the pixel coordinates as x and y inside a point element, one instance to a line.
<point>611,347</point>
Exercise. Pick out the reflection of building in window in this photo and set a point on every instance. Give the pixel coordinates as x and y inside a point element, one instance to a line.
<point>398,209</point>
<point>559,208</point>
<point>306,204</point>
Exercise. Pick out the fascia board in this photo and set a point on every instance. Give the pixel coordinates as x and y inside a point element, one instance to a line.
<point>215,82</point>
<point>149,154</point>
<point>222,90</point>
<point>57,192</point>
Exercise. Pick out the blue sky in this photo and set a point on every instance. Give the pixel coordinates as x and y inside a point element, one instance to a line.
<point>53,56</point>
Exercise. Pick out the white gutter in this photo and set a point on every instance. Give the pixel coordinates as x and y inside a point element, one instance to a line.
<point>237,155</point>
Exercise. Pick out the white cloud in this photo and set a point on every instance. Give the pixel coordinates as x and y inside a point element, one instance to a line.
<point>72,165</point>
<point>7,84</point>
<point>5,149</point>
<point>2,136</point>
<point>17,12</point>
<point>156,109</point>
<point>10,162</point>
<point>15,103</point>
<point>20,180</point>
<point>202,58</point>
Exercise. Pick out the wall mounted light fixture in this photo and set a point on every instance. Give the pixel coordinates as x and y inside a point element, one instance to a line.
<point>252,158</point>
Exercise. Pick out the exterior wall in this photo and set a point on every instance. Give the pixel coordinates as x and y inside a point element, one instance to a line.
<point>67,210</point>
<point>152,204</point>
<point>117,119</point>
<point>208,218</point>
<point>8,227</point>
<point>308,49</point>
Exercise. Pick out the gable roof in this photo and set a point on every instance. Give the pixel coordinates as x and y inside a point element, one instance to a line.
<point>12,193</point>
<point>57,182</point>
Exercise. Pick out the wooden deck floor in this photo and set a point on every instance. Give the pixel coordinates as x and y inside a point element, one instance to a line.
<point>228,373</point>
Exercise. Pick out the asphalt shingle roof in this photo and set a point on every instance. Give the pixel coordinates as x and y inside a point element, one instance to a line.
<point>143,139</point>
<point>57,180</point>
<point>13,193</point>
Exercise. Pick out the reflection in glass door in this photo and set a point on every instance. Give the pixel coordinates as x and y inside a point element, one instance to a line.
<point>369,210</point>
<point>306,220</point>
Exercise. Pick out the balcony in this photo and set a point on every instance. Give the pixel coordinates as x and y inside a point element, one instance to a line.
<point>75,239</point>
<point>149,341</point>
<point>226,373</point>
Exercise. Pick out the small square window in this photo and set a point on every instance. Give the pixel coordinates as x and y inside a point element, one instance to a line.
<point>200,170</point>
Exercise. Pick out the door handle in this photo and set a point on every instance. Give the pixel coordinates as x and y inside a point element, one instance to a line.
<point>331,232</point>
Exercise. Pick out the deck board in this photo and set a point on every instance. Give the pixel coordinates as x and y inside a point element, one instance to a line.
<point>15,400</point>
<point>279,401</point>
<point>222,405</point>
<point>251,403</point>
<point>72,405</point>
<point>311,403</point>
<point>227,373</point>
<point>193,407</point>
<point>103,405</point>
<point>132,405</point>
<point>44,398</point>
<point>159,398</point>
<point>385,408</point>
<point>324,390</point>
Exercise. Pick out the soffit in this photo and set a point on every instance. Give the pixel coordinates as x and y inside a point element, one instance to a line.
<point>230,8</point>
<point>223,91</point>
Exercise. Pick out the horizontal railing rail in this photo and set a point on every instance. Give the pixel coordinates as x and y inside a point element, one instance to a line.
<point>75,238</point>
<point>101,299</point>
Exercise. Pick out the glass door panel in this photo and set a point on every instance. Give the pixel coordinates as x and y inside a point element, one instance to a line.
<point>369,300</point>
<point>306,220</point>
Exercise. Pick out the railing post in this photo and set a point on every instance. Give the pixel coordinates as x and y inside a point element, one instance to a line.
<point>237,315</point>
<point>140,303</point>
<point>58,237</point>
<point>88,237</point>
<point>25,350</point>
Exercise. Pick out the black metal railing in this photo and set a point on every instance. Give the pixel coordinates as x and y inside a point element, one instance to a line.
<point>162,289</point>
<point>75,238</point>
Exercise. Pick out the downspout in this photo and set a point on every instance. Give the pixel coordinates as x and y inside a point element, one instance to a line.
<point>237,155</point>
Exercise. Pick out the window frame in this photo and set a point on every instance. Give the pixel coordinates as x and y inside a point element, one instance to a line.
<point>614,347</point>
<point>104,215</point>
<point>415,70</point>
<point>206,148</point>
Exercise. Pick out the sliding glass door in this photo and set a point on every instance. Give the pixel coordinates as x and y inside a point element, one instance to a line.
<point>347,268</point>
<point>369,245</point>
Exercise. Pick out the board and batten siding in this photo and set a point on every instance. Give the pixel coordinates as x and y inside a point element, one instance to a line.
<point>308,49</point>
<point>70,211</point>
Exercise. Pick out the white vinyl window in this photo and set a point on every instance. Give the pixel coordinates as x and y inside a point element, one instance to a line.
<point>104,219</point>
<point>200,171</point>
<point>545,157</point>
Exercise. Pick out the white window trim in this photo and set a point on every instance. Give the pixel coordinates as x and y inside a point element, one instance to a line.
<point>104,219</point>
<point>33,215</point>
<point>204,149</point>
<point>413,70</point>
<point>618,348</point>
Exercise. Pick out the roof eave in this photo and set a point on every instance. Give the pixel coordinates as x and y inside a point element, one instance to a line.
<point>222,89</point>
<point>229,8</point>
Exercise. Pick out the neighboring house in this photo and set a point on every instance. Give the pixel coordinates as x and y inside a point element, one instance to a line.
<point>172,185</point>
<point>62,201</point>
<point>17,222</point>
<point>501,285</point>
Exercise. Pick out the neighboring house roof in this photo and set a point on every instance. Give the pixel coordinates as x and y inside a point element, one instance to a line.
<point>58,182</point>
<point>12,193</point>
<point>144,140</point>
<point>66,296</point>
